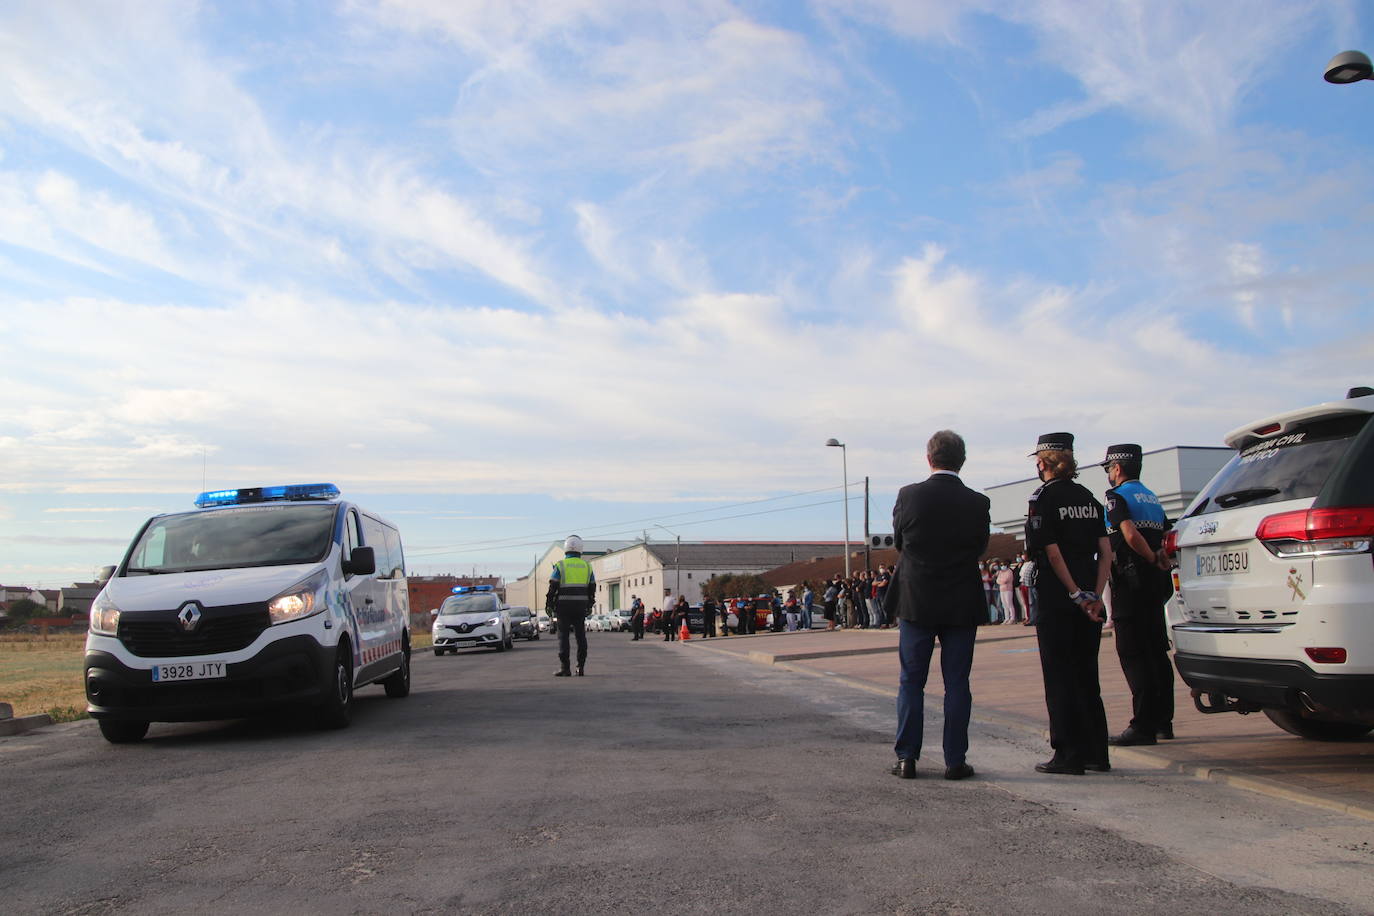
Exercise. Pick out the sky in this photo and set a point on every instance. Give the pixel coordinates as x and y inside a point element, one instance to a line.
<point>507,270</point>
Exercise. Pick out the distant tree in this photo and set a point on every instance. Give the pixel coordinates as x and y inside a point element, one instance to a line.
<point>735,585</point>
<point>69,611</point>
<point>24,608</point>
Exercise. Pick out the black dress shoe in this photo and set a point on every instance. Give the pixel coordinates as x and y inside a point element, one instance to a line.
<point>1098,766</point>
<point>960,771</point>
<point>1059,768</point>
<point>579,671</point>
<point>1166,732</point>
<point>562,672</point>
<point>1131,738</point>
<point>905,767</point>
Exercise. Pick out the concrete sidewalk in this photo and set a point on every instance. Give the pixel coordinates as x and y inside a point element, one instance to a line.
<point>1245,751</point>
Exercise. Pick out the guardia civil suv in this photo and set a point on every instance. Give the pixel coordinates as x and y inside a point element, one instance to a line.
<point>1276,575</point>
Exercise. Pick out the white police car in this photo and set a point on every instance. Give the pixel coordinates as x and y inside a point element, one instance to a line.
<point>260,598</point>
<point>1276,574</point>
<point>472,616</point>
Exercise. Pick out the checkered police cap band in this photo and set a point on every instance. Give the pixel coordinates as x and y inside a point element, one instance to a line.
<point>1126,451</point>
<point>1053,442</point>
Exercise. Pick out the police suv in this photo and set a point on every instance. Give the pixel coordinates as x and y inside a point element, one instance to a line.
<point>1275,583</point>
<point>261,597</point>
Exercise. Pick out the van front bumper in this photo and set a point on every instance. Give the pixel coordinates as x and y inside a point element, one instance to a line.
<point>296,670</point>
<point>1278,684</point>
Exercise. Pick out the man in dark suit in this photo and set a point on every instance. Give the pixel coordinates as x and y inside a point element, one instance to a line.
<point>941,529</point>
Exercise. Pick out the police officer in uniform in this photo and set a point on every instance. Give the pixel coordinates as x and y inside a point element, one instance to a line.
<point>1066,535</point>
<point>1140,586</point>
<point>708,617</point>
<point>636,618</point>
<point>571,587</point>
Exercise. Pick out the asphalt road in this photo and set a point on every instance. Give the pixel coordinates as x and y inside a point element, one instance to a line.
<point>669,780</point>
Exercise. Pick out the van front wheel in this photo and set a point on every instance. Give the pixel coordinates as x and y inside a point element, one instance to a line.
<point>1317,729</point>
<point>119,731</point>
<point>337,710</point>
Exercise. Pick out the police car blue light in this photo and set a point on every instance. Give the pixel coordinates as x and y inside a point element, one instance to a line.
<point>470,589</point>
<point>283,492</point>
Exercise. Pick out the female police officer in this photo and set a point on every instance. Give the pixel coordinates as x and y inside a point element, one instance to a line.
<point>1066,537</point>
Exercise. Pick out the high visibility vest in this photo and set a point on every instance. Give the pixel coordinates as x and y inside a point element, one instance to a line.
<point>574,576</point>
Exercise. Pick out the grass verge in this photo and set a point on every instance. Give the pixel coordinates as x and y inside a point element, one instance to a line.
<point>40,675</point>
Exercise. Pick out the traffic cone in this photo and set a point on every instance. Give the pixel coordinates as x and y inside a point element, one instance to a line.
<point>684,634</point>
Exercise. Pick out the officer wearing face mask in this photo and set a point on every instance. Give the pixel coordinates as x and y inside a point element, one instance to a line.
<point>1066,536</point>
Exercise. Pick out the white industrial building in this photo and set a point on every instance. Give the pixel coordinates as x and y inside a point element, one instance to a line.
<point>1175,474</point>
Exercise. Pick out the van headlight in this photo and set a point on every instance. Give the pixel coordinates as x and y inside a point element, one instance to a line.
<point>104,616</point>
<point>299,601</point>
<point>494,622</point>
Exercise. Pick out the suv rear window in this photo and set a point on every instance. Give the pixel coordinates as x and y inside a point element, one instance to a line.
<point>1292,466</point>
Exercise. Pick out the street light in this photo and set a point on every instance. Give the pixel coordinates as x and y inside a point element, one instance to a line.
<point>677,561</point>
<point>844,463</point>
<point>1349,67</point>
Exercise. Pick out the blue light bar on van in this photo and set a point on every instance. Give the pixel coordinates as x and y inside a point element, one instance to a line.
<point>469,589</point>
<point>283,493</point>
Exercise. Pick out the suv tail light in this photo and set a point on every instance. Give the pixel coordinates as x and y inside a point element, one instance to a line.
<point>1314,532</point>
<point>1333,655</point>
<point>1171,542</point>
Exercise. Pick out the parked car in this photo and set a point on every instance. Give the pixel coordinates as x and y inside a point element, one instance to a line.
<point>1275,583</point>
<point>622,619</point>
<point>523,623</point>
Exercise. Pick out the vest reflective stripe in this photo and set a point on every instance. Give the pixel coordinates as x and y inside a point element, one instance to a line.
<point>574,571</point>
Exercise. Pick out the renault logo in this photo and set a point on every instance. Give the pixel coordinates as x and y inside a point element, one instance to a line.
<point>189,616</point>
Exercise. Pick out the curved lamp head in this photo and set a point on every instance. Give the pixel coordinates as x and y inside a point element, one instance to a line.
<point>832,443</point>
<point>1349,67</point>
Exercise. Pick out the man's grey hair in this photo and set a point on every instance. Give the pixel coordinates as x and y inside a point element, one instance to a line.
<point>945,451</point>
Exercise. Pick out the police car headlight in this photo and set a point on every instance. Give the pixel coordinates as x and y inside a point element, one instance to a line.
<point>494,622</point>
<point>104,616</point>
<point>299,601</point>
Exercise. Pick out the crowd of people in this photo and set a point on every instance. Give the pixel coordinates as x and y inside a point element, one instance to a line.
<point>1007,584</point>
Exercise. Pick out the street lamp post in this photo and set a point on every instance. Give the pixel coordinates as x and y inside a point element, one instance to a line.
<point>844,464</point>
<point>1349,67</point>
<point>677,561</point>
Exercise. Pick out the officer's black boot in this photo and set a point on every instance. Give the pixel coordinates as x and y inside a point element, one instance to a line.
<point>579,671</point>
<point>563,671</point>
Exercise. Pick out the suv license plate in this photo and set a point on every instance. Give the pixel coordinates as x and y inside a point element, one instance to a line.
<point>1223,563</point>
<point>191,671</point>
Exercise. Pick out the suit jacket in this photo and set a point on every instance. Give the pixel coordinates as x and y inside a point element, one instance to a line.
<point>941,529</point>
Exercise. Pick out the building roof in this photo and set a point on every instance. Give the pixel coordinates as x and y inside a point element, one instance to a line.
<point>758,554</point>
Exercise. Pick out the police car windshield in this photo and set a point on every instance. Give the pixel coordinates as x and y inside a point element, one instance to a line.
<point>469,604</point>
<point>234,538</point>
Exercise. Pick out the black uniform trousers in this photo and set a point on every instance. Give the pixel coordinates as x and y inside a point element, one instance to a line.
<point>568,625</point>
<point>1068,642</point>
<point>637,628</point>
<point>708,624</point>
<point>1142,645</point>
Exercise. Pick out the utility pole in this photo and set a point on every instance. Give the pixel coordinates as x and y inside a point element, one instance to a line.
<point>868,541</point>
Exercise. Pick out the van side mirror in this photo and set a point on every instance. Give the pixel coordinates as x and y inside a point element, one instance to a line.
<point>434,612</point>
<point>105,575</point>
<point>362,562</point>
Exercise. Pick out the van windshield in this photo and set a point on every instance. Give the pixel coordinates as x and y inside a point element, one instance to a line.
<point>234,538</point>
<point>469,604</point>
<point>1292,466</point>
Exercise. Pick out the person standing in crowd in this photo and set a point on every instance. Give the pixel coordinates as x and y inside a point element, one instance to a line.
<point>808,606</point>
<point>792,609</point>
<point>636,619</point>
<point>1141,585</point>
<point>940,528</point>
<point>1027,576</point>
<point>569,600</point>
<point>1067,537</point>
<point>748,621</point>
<point>1006,587</point>
<point>880,584</point>
<point>831,600</point>
<point>670,621</point>
<point>680,614</point>
<point>989,590</point>
<point>708,617</point>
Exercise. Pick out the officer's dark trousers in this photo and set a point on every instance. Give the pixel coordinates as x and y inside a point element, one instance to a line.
<point>1142,644</point>
<point>1068,643</point>
<point>569,624</point>
<point>709,626</point>
<point>638,629</point>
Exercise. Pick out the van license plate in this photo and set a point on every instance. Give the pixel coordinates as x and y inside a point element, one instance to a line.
<point>1223,563</point>
<point>191,671</point>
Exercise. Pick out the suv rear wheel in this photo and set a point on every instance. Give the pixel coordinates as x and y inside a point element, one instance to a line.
<point>1317,729</point>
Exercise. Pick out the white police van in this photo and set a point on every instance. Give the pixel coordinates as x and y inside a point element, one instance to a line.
<point>1275,583</point>
<point>261,598</point>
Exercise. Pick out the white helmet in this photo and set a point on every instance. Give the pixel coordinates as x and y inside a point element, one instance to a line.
<point>573,544</point>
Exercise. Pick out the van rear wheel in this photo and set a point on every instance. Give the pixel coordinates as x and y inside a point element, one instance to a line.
<point>1317,729</point>
<point>398,684</point>
<point>120,731</point>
